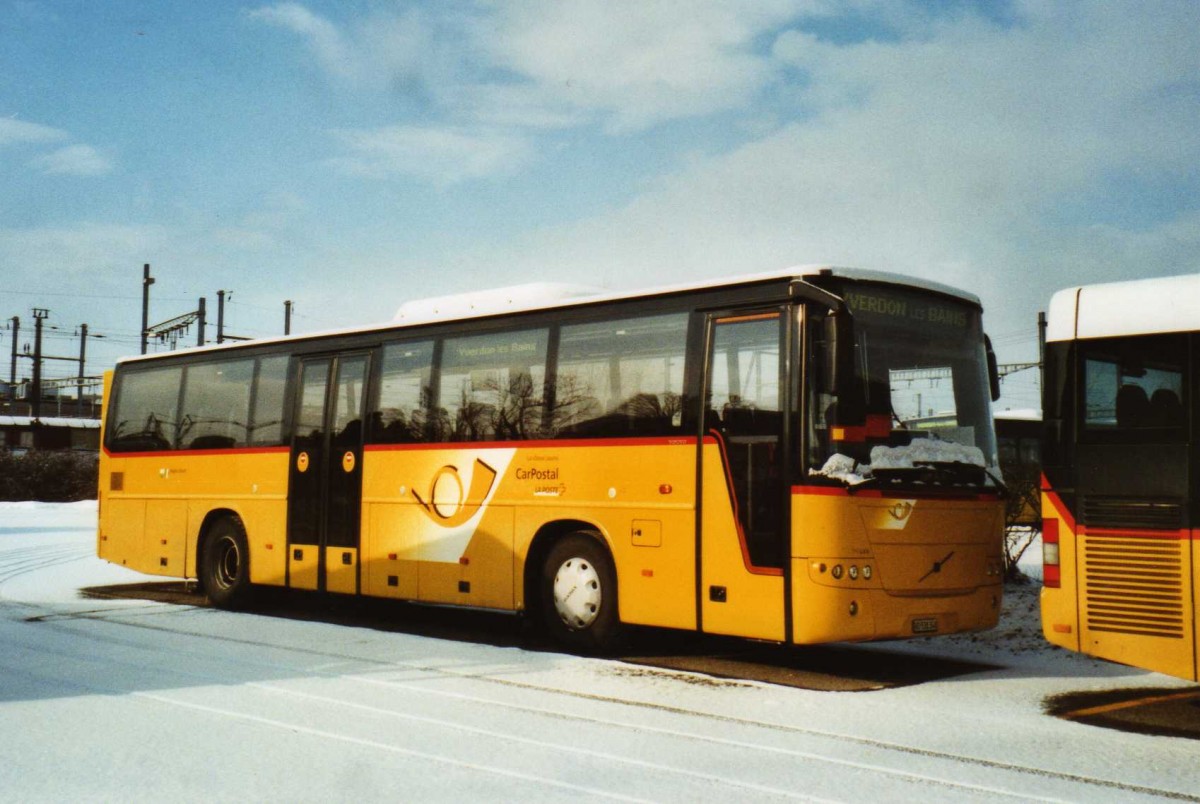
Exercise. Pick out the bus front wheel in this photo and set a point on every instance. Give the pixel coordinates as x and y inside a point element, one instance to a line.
<point>225,564</point>
<point>579,594</point>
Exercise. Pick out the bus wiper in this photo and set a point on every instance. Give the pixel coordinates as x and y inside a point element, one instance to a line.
<point>941,473</point>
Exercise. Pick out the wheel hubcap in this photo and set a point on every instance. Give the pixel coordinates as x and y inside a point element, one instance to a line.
<point>577,593</point>
<point>228,562</point>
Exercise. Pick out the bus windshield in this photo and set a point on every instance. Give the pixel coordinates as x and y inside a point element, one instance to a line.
<point>923,406</point>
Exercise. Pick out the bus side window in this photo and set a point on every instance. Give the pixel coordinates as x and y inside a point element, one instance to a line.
<point>216,405</point>
<point>491,386</point>
<point>270,383</point>
<point>401,415</point>
<point>620,378</point>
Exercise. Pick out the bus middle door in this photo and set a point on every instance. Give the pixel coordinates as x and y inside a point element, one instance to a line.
<point>325,479</point>
<point>744,517</point>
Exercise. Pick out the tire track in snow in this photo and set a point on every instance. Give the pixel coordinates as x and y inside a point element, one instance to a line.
<point>326,671</point>
<point>14,563</point>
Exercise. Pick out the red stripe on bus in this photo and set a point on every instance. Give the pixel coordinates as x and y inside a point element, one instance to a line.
<point>197,452</point>
<point>835,491</point>
<point>1059,506</point>
<point>659,441</point>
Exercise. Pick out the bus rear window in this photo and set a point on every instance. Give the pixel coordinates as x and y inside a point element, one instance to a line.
<point>1132,385</point>
<point>147,404</point>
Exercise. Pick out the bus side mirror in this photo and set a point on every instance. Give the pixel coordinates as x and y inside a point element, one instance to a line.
<point>829,366</point>
<point>993,369</point>
<point>839,375</point>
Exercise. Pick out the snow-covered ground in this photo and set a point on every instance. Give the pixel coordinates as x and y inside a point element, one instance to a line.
<point>136,701</point>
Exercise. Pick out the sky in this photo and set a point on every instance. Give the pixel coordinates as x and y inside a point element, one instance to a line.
<point>351,156</point>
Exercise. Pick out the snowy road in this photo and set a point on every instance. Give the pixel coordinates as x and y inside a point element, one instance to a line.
<point>132,700</point>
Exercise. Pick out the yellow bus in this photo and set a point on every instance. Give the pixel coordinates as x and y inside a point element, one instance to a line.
<point>1119,460</point>
<point>729,458</point>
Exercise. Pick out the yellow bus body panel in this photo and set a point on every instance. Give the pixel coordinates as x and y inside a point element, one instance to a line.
<point>421,540</point>
<point>934,565</point>
<point>753,601</point>
<point>1060,615</point>
<point>1151,627</point>
<point>455,525</point>
<point>153,507</point>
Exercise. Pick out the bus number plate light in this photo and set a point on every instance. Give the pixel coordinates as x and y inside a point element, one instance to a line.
<point>925,625</point>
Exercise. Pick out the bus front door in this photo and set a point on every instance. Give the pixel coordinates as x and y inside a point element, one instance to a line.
<point>744,516</point>
<point>325,481</point>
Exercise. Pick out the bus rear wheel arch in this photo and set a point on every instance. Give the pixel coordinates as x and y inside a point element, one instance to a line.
<point>577,593</point>
<point>225,563</point>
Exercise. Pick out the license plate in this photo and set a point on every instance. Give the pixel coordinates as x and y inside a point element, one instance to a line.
<point>925,625</point>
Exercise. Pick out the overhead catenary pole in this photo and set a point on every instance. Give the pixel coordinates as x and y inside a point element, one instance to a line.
<point>287,317</point>
<point>220,316</point>
<point>82,359</point>
<point>147,281</point>
<point>16,329</point>
<point>35,392</point>
<point>200,316</point>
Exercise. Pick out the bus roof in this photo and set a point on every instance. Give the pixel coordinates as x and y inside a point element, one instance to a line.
<point>1135,307</point>
<point>548,296</point>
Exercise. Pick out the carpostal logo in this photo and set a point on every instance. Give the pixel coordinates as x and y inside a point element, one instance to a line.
<point>445,501</point>
<point>456,501</point>
<point>893,515</point>
<point>537,474</point>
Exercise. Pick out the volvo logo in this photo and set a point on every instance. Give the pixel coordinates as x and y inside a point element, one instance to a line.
<point>937,566</point>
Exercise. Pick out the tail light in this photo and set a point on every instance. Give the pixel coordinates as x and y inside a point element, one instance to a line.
<point>1051,572</point>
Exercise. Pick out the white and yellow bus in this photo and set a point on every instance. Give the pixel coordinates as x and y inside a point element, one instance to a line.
<point>1120,457</point>
<point>727,458</point>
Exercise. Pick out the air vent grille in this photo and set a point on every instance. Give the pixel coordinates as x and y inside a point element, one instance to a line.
<point>1132,513</point>
<point>1134,585</point>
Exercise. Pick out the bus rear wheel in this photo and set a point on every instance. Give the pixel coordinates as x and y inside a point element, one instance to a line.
<point>579,594</point>
<point>225,564</point>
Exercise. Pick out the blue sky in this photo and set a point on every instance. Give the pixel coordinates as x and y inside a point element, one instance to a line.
<point>350,156</point>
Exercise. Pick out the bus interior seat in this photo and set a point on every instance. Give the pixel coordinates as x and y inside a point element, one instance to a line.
<point>212,441</point>
<point>1133,406</point>
<point>744,420</point>
<point>1165,408</point>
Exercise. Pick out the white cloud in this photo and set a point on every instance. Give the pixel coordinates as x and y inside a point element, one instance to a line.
<point>440,155</point>
<point>952,156</point>
<point>549,64</point>
<point>375,51</point>
<point>638,64</point>
<point>988,155</point>
<point>328,45</point>
<point>261,229</point>
<point>74,160</point>
<point>14,132</point>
